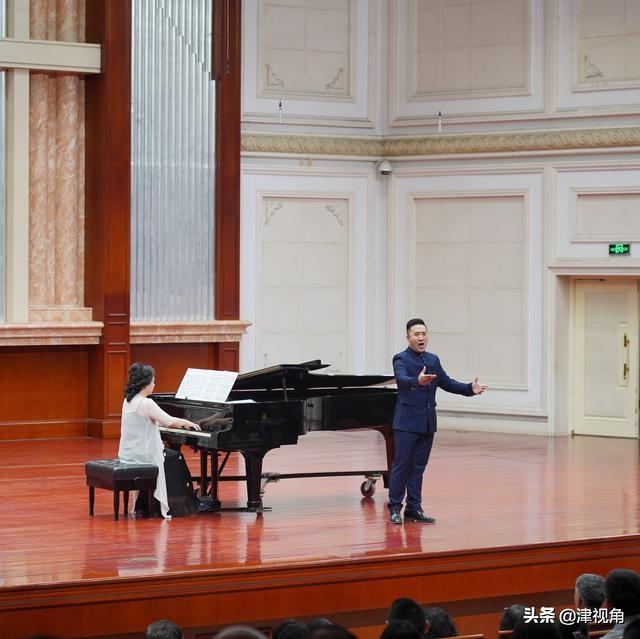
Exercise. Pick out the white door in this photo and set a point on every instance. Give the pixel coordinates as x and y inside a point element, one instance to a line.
<point>606,358</point>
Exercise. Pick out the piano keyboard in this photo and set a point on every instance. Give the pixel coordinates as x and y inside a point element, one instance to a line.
<point>184,431</point>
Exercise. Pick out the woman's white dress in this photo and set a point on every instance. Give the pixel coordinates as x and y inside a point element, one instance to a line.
<point>140,441</point>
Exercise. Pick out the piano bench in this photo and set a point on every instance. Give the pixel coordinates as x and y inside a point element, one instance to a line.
<point>113,475</point>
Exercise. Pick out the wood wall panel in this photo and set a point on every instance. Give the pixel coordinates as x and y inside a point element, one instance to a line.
<point>40,385</point>
<point>227,69</point>
<point>229,356</point>
<point>170,361</point>
<point>107,216</point>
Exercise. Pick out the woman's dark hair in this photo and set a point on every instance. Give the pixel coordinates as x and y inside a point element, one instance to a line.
<point>140,375</point>
<point>439,623</point>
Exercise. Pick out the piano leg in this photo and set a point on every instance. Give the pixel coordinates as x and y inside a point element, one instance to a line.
<point>387,433</point>
<point>204,474</point>
<point>215,480</point>
<point>253,466</point>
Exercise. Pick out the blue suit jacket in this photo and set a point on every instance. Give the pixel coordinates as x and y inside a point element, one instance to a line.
<point>416,405</point>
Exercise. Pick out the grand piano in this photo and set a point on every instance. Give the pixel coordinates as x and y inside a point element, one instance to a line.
<point>273,407</point>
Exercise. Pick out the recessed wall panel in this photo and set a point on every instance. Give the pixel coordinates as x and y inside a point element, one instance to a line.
<point>471,284</point>
<point>303,294</point>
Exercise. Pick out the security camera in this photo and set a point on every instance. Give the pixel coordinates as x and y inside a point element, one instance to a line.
<point>384,167</point>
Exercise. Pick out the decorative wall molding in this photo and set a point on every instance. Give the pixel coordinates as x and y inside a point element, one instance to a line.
<point>517,142</point>
<point>187,332</point>
<point>50,333</point>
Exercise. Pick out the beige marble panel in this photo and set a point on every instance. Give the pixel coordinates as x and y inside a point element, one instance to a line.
<point>608,40</point>
<point>454,71</point>
<point>303,297</point>
<point>506,368</point>
<point>498,67</point>
<point>455,26</point>
<point>56,265</point>
<point>450,224</point>
<point>632,55</point>
<point>305,48</point>
<point>446,308</point>
<point>608,216</point>
<point>327,30</point>
<point>598,18</point>
<point>495,265</point>
<point>428,32</point>
<point>277,302</point>
<point>465,46</point>
<point>327,72</point>
<point>496,219</point>
<point>283,27</point>
<point>496,311</point>
<point>498,22</point>
<point>50,333</point>
<point>469,282</point>
<point>443,264</point>
<point>187,332</point>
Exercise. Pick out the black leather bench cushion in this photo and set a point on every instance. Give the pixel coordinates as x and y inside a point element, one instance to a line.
<point>110,470</point>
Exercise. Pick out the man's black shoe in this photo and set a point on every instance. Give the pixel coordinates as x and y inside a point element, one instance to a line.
<point>395,517</point>
<point>418,515</point>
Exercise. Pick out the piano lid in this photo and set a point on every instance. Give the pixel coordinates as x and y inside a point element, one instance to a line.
<point>300,376</point>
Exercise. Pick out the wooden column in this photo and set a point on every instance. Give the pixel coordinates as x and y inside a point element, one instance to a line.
<point>108,192</point>
<point>227,30</point>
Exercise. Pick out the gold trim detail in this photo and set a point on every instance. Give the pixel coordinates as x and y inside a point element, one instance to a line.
<point>442,144</point>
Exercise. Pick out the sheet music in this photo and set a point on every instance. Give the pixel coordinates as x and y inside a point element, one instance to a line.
<point>206,385</point>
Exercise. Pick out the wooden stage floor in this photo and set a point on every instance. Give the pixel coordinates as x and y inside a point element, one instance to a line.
<point>516,514</point>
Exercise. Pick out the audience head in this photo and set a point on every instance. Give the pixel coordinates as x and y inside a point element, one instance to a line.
<point>292,629</point>
<point>140,376</point>
<point>163,629</point>
<point>318,623</point>
<point>332,631</point>
<point>276,630</point>
<point>405,609</point>
<point>240,632</point>
<point>511,616</point>
<point>401,630</point>
<point>589,592</point>
<point>622,590</point>
<point>632,630</point>
<point>535,630</point>
<point>439,624</point>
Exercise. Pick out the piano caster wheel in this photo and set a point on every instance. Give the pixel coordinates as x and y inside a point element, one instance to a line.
<point>368,488</point>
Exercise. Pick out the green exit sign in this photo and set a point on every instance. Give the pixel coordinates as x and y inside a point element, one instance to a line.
<point>619,249</point>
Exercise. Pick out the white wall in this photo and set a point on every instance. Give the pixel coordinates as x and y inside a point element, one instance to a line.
<point>490,66</point>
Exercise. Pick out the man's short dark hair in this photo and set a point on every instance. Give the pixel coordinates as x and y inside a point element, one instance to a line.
<point>415,321</point>
<point>163,629</point>
<point>590,587</point>
<point>405,609</point>
<point>401,630</point>
<point>622,590</point>
<point>276,630</point>
<point>632,630</point>
<point>511,616</point>
<point>333,631</point>
<point>318,623</point>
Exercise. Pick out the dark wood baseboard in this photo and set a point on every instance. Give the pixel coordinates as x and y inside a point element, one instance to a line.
<point>103,429</point>
<point>43,429</point>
